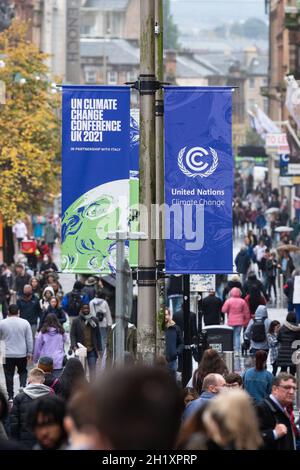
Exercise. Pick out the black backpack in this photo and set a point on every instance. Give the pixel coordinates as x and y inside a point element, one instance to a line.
<point>258,332</point>
<point>75,303</point>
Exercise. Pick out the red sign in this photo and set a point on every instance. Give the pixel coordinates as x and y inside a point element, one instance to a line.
<point>278,142</point>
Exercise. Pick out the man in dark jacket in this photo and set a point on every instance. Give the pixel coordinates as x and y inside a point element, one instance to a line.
<point>242,261</point>
<point>22,278</point>
<point>21,407</point>
<point>73,301</point>
<point>4,294</point>
<point>29,307</point>
<point>173,342</point>
<point>254,286</point>
<point>178,318</point>
<point>266,238</point>
<point>85,330</point>
<point>274,419</point>
<point>212,309</point>
<point>90,287</point>
<point>234,282</point>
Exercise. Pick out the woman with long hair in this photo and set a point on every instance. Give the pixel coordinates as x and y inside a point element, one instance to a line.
<point>254,298</point>
<point>211,363</point>
<point>55,308</point>
<point>71,379</point>
<point>36,288</point>
<point>257,380</point>
<point>50,342</point>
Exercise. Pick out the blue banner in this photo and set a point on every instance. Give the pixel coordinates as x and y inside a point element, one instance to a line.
<point>134,184</point>
<point>95,175</point>
<point>198,180</point>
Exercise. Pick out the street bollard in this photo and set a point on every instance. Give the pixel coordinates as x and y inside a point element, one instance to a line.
<point>228,357</point>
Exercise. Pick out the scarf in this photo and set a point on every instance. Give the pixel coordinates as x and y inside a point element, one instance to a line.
<point>89,319</point>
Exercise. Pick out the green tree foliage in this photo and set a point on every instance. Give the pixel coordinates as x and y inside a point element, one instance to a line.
<point>171,31</point>
<point>29,128</point>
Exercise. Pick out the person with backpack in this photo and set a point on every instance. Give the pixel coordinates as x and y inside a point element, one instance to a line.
<point>50,342</point>
<point>100,309</point>
<point>90,287</point>
<point>34,390</point>
<point>74,300</point>
<point>288,333</point>
<point>257,330</point>
<point>46,364</point>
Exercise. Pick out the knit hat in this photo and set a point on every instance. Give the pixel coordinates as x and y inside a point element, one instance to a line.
<point>46,364</point>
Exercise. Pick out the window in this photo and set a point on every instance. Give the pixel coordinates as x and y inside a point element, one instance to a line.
<point>90,74</point>
<point>112,77</point>
<point>131,76</point>
<point>251,82</point>
<point>86,30</point>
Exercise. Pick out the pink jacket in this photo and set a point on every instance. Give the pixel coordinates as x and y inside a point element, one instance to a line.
<point>237,309</point>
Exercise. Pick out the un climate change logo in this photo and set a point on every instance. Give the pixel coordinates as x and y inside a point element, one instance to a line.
<point>190,165</point>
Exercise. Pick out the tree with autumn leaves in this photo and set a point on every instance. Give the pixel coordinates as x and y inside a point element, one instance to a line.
<point>29,128</point>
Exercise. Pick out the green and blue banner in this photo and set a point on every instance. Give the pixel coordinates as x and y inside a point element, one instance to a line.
<point>95,175</point>
<point>198,180</point>
<point>134,184</point>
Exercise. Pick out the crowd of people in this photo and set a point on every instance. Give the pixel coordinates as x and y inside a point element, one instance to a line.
<point>68,403</point>
<point>143,408</point>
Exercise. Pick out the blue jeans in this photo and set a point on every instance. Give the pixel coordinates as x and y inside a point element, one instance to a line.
<point>173,365</point>
<point>92,360</point>
<point>237,338</point>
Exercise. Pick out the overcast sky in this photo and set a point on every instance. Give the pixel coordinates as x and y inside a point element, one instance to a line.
<point>198,13</point>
